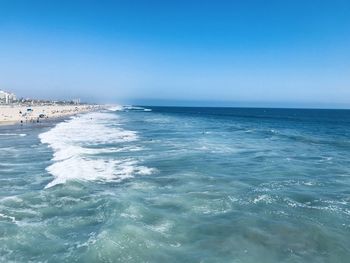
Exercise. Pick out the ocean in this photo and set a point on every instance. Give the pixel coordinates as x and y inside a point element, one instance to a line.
<point>172,184</point>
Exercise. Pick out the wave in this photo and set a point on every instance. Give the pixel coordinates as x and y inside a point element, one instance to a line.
<point>135,108</point>
<point>6,217</point>
<point>127,108</point>
<point>116,108</point>
<point>79,145</point>
<point>307,138</point>
<point>13,134</point>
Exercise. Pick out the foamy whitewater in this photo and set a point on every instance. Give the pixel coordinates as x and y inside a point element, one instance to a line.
<point>167,184</point>
<point>79,145</point>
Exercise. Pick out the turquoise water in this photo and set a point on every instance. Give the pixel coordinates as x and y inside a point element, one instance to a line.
<point>163,184</point>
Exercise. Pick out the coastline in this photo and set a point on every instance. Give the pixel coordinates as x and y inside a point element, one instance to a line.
<point>21,114</point>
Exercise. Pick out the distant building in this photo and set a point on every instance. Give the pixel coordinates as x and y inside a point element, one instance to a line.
<point>7,97</point>
<point>76,101</point>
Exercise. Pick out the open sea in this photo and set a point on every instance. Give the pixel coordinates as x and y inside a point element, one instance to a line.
<point>170,184</point>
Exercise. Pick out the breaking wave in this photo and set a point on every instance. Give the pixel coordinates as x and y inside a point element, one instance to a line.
<point>116,108</point>
<point>13,134</point>
<point>80,146</point>
<point>135,108</point>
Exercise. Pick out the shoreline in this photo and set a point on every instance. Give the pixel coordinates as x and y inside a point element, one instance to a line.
<point>23,115</point>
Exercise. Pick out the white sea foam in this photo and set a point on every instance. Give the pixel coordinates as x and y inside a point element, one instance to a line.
<point>162,228</point>
<point>263,198</point>
<point>136,108</point>
<point>116,108</point>
<point>130,107</point>
<point>76,156</point>
<point>6,217</point>
<point>13,134</point>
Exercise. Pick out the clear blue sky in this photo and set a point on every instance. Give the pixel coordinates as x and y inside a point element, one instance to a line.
<point>251,52</point>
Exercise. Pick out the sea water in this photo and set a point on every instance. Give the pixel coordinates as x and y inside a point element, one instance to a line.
<point>167,184</point>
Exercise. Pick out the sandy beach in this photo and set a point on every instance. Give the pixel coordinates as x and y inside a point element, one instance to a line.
<point>25,114</point>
